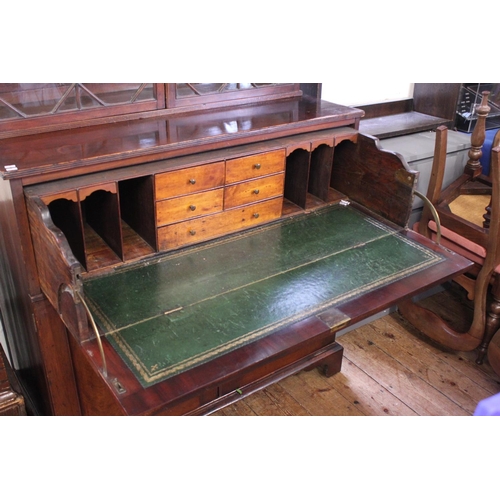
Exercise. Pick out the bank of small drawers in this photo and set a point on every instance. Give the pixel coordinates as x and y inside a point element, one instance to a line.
<point>203,202</point>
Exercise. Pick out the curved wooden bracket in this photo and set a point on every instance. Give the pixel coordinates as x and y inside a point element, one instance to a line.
<point>84,193</point>
<point>306,146</point>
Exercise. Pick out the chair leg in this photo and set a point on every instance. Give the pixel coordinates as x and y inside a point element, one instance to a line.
<point>436,328</point>
<point>494,353</point>
<point>492,321</point>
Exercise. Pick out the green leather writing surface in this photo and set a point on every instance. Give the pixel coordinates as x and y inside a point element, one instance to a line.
<point>192,305</point>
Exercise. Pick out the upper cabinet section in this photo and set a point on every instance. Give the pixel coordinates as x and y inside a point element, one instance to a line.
<point>25,106</point>
<point>181,95</point>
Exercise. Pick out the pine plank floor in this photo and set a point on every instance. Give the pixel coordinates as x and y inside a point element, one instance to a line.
<point>389,368</point>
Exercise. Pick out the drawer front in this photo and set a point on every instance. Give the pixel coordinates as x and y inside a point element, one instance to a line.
<point>248,167</point>
<point>189,180</point>
<point>187,207</point>
<point>254,190</point>
<point>204,228</point>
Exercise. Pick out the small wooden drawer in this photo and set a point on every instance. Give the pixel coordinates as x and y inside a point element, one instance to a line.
<point>254,190</point>
<point>204,228</point>
<point>248,167</point>
<point>189,206</point>
<point>189,180</point>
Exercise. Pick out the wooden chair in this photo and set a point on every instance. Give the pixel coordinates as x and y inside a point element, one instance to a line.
<point>494,352</point>
<point>479,242</point>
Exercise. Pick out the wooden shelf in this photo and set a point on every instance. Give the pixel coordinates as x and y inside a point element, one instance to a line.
<point>432,105</point>
<point>401,124</point>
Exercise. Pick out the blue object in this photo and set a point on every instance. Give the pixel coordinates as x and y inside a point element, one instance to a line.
<point>486,149</point>
<point>489,407</point>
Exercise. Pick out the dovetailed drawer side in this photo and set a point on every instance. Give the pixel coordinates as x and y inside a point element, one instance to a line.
<point>189,180</point>
<point>249,167</point>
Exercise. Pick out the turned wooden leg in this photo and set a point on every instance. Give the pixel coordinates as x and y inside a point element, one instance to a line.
<point>492,321</point>
<point>487,216</point>
<point>473,166</point>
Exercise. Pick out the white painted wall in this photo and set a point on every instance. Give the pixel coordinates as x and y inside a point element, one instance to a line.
<point>362,92</point>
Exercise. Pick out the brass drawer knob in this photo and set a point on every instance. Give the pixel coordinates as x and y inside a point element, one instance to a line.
<point>192,181</point>
<point>257,166</point>
<point>192,232</point>
<point>192,207</point>
<point>256,191</point>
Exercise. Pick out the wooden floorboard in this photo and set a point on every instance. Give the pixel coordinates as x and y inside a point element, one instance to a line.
<point>389,368</point>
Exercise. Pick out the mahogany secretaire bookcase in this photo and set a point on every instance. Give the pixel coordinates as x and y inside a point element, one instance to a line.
<point>170,248</point>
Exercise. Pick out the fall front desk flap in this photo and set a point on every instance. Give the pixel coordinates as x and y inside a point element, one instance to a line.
<point>170,314</point>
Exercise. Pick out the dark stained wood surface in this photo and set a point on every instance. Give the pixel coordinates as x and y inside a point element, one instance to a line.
<point>432,105</point>
<point>379,180</point>
<point>123,143</point>
<point>57,361</point>
<point>190,391</point>
<point>437,99</point>
<point>400,124</point>
<point>386,108</point>
<point>147,167</point>
<point>56,263</point>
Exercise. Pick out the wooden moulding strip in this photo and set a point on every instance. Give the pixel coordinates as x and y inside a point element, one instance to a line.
<point>85,192</point>
<point>67,195</point>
